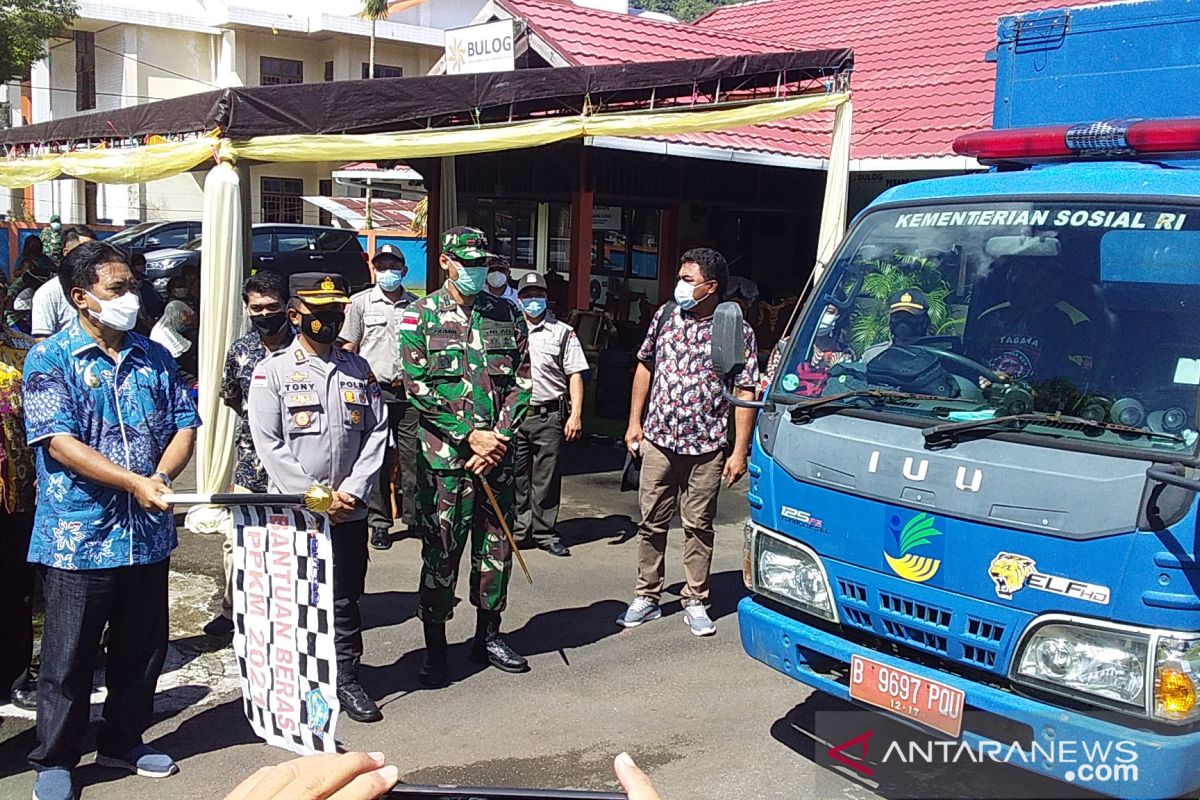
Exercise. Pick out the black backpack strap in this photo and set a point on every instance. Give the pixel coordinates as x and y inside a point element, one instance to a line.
<point>668,310</point>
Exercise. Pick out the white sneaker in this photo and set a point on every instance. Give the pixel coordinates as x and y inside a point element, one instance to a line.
<point>642,609</point>
<point>697,619</point>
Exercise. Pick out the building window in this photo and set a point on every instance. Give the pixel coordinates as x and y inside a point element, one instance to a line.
<point>509,227</point>
<point>85,70</point>
<point>560,238</point>
<point>325,189</point>
<point>382,71</point>
<point>281,200</point>
<point>275,71</point>
<point>328,71</point>
<point>625,242</point>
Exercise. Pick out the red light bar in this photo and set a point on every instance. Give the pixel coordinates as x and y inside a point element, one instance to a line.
<point>1096,138</point>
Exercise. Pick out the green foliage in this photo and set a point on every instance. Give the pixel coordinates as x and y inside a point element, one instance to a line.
<point>26,25</point>
<point>685,10</point>
<point>869,326</point>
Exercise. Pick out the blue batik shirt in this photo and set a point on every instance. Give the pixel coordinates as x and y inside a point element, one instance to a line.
<point>128,412</point>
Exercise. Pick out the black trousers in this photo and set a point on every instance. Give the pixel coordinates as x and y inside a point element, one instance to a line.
<point>132,601</point>
<point>538,444</point>
<point>16,601</point>
<point>402,421</point>
<point>349,579</point>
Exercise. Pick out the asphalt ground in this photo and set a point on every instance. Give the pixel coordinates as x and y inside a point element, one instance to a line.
<point>704,719</point>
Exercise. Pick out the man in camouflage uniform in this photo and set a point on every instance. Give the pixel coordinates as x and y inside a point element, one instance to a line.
<point>466,369</point>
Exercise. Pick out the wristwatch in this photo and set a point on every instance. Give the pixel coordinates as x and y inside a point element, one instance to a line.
<point>165,478</point>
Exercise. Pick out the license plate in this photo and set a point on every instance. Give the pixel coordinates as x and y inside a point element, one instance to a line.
<point>930,703</point>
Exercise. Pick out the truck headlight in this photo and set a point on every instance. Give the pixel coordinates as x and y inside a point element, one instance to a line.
<point>792,574</point>
<point>1083,661</point>
<point>1176,672</point>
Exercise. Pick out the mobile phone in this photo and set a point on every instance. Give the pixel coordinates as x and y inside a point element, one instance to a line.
<point>404,791</point>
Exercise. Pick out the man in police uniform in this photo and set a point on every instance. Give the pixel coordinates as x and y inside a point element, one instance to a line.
<point>317,417</point>
<point>465,362</point>
<point>370,331</point>
<point>558,364</point>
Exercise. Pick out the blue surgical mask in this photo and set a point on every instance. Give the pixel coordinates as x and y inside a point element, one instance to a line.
<point>534,306</point>
<point>389,279</point>
<point>471,279</point>
<point>685,295</point>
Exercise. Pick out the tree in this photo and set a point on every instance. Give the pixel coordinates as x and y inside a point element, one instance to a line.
<point>685,10</point>
<point>26,25</point>
<point>374,10</point>
<point>869,323</point>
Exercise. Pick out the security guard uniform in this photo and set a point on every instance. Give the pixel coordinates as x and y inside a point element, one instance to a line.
<point>319,419</point>
<point>466,368</point>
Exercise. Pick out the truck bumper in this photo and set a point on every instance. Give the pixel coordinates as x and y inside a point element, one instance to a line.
<point>1166,765</point>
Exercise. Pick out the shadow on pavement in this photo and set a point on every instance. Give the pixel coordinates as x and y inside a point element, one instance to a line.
<point>725,591</point>
<point>618,528</point>
<point>822,722</point>
<point>385,609</point>
<point>593,454</point>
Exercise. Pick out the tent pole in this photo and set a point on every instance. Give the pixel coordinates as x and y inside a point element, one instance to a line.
<point>581,237</point>
<point>433,224</point>
<point>244,197</point>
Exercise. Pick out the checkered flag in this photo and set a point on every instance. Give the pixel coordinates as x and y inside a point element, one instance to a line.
<point>283,625</point>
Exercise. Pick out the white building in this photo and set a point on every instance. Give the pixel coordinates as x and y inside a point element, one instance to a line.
<point>125,52</point>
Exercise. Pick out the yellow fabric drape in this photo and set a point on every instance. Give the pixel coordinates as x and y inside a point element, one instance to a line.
<point>837,190</point>
<point>155,161</point>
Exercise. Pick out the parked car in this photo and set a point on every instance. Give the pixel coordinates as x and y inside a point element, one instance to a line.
<point>282,248</point>
<point>149,236</point>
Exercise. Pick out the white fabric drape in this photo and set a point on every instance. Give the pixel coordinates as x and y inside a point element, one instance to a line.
<point>220,281</point>
<point>837,186</point>
<point>449,195</point>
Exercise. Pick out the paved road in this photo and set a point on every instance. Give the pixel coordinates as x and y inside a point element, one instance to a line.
<point>706,721</point>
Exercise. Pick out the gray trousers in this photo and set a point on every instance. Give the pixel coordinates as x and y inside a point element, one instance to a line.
<point>538,443</point>
<point>402,446</point>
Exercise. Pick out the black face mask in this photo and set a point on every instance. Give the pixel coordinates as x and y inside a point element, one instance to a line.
<point>322,328</point>
<point>908,328</point>
<point>270,324</point>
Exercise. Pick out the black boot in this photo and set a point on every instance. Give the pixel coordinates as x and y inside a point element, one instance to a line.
<point>489,648</point>
<point>433,667</point>
<point>357,704</point>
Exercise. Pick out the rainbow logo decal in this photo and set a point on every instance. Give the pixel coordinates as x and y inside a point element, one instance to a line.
<point>913,549</point>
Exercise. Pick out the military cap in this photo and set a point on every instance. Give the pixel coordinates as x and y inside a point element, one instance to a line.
<point>318,288</point>
<point>466,244</point>
<point>532,280</point>
<point>912,301</point>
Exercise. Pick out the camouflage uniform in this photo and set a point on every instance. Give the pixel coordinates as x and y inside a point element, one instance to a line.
<point>464,369</point>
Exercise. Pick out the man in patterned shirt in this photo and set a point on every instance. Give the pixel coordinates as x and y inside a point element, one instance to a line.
<point>683,441</point>
<point>112,425</point>
<point>265,296</point>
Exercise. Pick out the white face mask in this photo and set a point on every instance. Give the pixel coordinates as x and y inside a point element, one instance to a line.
<point>685,295</point>
<point>497,280</point>
<point>120,313</point>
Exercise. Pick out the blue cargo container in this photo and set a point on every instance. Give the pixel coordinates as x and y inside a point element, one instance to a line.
<point>973,492</point>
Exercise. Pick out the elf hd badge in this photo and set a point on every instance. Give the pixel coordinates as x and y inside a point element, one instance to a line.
<point>1012,572</point>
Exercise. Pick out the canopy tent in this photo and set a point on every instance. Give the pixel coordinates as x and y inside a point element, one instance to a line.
<point>409,118</point>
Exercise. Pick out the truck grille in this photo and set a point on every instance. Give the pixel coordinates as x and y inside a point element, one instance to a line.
<point>970,638</point>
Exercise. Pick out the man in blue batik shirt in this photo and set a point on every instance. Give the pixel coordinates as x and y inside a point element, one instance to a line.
<point>112,425</point>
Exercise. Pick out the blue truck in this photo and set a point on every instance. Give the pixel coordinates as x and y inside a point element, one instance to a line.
<point>973,487</point>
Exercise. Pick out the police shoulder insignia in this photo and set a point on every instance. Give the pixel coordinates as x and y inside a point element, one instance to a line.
<point>298,353</point>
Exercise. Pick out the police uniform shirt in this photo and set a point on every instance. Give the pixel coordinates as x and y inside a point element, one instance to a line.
<point>554,355</point>
<point>371,323</point>
<point>318,420</point>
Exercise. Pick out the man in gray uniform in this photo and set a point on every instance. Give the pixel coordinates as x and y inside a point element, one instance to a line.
<point>316,416</point>
<point>558,364</point>
<point>370,331</point>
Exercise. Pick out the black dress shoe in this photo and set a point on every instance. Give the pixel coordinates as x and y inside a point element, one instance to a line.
<point>381,539</point>
<point>557,549</point>
<point>357,704</point>
<point>489,647</point>
<point>220,626</point>
<point>25,698</point>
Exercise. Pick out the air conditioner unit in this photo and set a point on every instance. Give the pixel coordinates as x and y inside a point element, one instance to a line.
<point>598,291</point>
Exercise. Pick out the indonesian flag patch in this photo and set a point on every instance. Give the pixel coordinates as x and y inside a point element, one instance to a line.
<point>408,322</point>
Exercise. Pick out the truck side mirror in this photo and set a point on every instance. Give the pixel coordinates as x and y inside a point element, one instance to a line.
<point>728,342</point>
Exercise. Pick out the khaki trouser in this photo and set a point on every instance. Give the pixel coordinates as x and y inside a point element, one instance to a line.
<point>227,560</point>
<point>694,481</point>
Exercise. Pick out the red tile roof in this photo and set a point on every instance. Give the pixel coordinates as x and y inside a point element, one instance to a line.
<point>919,76</point>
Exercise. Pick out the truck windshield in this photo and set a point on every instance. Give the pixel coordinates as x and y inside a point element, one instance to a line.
<point>976,310</point>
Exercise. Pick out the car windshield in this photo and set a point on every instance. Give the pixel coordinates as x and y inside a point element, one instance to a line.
<point>129,234</point>
<point>980,311</point>
<point>194,244</point>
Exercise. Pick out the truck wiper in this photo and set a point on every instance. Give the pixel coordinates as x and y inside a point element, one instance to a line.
<point>803,412</point>
<point>944,435</point>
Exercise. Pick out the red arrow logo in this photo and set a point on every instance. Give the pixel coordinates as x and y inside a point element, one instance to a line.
<point>856,763</point>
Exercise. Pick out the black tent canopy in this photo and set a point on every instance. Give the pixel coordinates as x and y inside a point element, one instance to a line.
<point>438,101</point>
